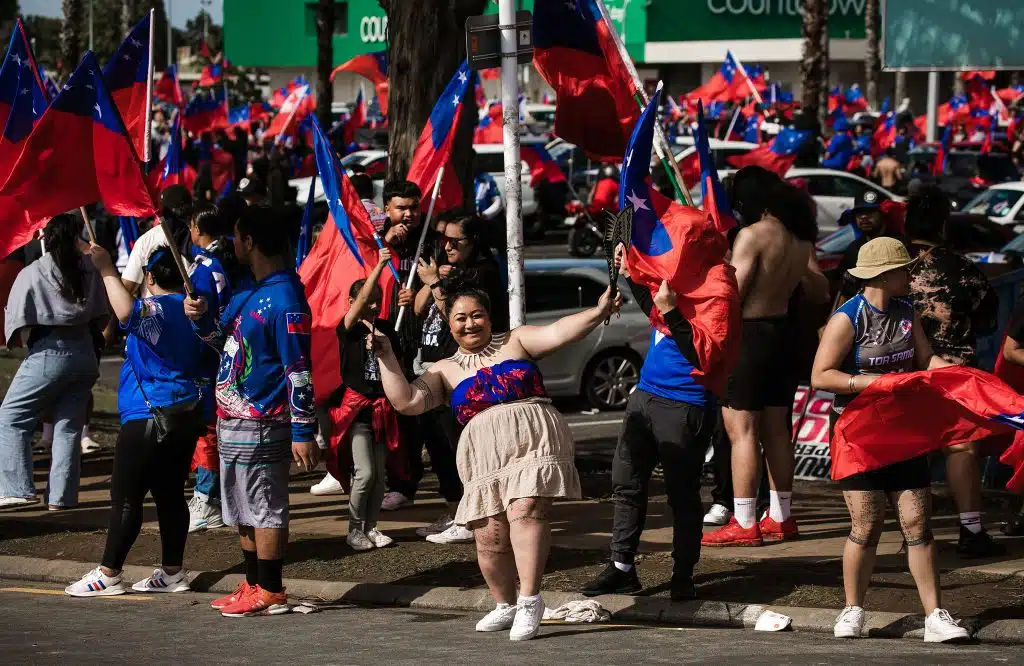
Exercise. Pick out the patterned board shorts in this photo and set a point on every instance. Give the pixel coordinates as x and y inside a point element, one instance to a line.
<point>255,460</point>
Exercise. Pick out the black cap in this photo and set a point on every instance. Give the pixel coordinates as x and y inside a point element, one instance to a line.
<point>252,186</point>
<point>867,200</point>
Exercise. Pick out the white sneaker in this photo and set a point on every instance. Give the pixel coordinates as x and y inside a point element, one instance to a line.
<point>394,500</point>
<point>436,527</point>
<point>379,540</point>
<point>96,584</point>
<point>528,616</point>
<point>499,619</point>
<point>8,502</point>
<point>358,540</point>
<point>454,534</point>
<point>940,627</point>
<point>203,514</point>
<point>161,581</point>
<point>327,486</point>
<point>88,444</point>
<point>850,622</point>
<point>717,515</point>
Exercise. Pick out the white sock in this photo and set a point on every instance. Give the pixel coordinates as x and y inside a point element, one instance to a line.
<point>48,431</point>
<point>778,509</point>
<point>502,606</point>
<point>622,566</point>
<point>972,521</point>
<point>745,511</point>
<point>85,431</point>
<point>527,600</point>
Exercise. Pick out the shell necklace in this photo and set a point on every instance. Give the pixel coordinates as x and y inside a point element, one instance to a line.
<point>477,360</point>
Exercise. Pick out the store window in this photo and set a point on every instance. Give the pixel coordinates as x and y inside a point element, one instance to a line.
<point>340,19</point>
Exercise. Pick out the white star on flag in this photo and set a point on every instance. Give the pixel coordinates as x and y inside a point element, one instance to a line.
<point>629,158</point>
<point>24,91</point>
<point>136,43</point>
<point>98,110</point>
<point>455,100</point>
<point>16,58</point>
<point>462,77</point>
<point>638,202</point>
<point>127,57</point>
<point>341,203</point>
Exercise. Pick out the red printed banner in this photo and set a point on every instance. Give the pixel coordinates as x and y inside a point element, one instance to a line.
<point>810,430</point>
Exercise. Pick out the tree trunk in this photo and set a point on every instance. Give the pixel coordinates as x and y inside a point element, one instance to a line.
<point>324,61</point>
<point>872,63</point>
<point>71,36</point>
<point>812,65</point>
<point>823,91</point>
<point>419,71</point>
<point>129,15</point>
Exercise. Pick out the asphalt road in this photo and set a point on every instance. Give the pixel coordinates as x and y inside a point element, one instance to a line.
<point>42,626</point>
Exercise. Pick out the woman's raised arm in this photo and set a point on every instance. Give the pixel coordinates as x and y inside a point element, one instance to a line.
<point>539,341</point>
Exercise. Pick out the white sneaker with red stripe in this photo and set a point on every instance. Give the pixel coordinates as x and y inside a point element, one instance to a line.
<point>96,584</point>
<point>161,581</point>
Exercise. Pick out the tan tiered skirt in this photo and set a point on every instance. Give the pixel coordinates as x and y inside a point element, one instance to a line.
<point>515,450</point>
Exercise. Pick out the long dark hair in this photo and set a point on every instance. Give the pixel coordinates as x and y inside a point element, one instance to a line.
<point>460,285</point>
<point>60,238</point>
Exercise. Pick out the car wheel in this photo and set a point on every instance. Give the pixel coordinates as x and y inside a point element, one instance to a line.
<point>582,243</point>
<point>610,378</point>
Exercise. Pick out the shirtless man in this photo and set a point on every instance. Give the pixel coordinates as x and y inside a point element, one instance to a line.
<point>888,172</point>
<point>773,255</point>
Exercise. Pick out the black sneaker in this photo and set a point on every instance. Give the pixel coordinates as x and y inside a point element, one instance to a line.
<point>613,581</point>
<point>681,588</point>
<point>1015,527</point>
<point>978,545</point>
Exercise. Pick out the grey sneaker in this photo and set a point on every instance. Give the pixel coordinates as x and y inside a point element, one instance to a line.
<point>358,540</point>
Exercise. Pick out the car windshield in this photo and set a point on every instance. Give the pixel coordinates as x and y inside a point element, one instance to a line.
<point>354,159</point>
<point>994,203</point>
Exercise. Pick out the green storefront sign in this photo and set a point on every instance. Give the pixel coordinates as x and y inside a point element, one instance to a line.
<point>708,20</point>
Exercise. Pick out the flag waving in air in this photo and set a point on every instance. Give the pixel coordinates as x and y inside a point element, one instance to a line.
<point>575,52</point>
<point>729,82</point>
<point>206,111</point>
<point>683,246</point>
<point>372,66</point>
<point>292,112</point>
<point>434,148</point>
<point>543,167</point>
<point>778,156</point>
<point>128,79</point>
<point>176,171</point>
<point>168,89</point>
<point>712,192</point>
<point>79,153</point>
<point>23,98</point>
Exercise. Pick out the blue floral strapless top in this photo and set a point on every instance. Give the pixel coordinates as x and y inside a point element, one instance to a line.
<point>507,381</point>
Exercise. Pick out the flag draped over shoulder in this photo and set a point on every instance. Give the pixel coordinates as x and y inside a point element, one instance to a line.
<point>127,77</point>
<point>883,425</point>
<point>575,52</point>
<point>78,153</point>
<point>23,98</point>
<point>344,252</point>
<point>683,246</point>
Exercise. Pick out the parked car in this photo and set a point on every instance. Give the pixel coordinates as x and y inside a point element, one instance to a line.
<point>968,171</point>
<point>1003,204</point>
<point>720,150</point>
<point>604,367</point>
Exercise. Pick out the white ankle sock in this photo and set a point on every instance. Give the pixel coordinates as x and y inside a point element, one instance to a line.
<point>745,511</point>
<point>622,566</point>
<point>778,509</point>
<point>502,606</point>
<point>48,431</point>
<point>523,599</point>
<point>85,431</point>
<point>972,521</point>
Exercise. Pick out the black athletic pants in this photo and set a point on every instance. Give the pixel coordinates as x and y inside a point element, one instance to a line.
<point>676,434</point>
<point>142,465</point>
<point>439,432</point>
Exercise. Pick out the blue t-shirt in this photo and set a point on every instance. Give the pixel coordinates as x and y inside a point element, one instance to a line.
<point>667,374</point>
<point>165,355</point>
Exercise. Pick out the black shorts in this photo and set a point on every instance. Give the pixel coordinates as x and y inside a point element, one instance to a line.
<point>910,474</point>
<point>765,375</point>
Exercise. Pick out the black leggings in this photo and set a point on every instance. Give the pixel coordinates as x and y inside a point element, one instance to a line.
<point>141,465</point>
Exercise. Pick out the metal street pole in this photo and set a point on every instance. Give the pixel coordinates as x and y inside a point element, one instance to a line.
<point>513,180</point>
<point>933,103</point>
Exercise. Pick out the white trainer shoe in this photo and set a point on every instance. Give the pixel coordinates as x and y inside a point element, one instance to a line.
<point>327,486</point>
<point>850,622</point>
<point>436,527</point>
<point>8,502</point>
<point>940,627</point>
<point>717,515</point>
<point>96,584</point>
<point>454,534</point>
<point>499,619</point>
<point>161,581</point>
<point>89,445</point>
<point>394,500</point>
<point>203,514</point>
<point>358,540</point>
<point>528,617</point>
<point>379,539</point>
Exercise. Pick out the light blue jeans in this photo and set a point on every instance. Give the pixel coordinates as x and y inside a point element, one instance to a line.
<point>58,374</point>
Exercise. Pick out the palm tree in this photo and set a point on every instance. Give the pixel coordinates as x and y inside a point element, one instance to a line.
<point>872,63</point>
<point>71,35</point>
<point>814,61</point>
<point>324,61</point>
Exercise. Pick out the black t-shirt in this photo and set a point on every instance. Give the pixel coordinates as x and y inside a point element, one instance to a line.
<point>1016,327</point>
<point>359,370</point>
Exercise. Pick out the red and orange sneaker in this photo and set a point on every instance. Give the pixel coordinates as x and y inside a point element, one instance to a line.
<point>242,590</point>
<point>733,535</point>
<point>772,531</point>
<point>258,602</point>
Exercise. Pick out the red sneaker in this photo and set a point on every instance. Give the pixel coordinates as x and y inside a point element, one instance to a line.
<point>733,535</point>
<point>258,602</point>
<point>242,590</point>
<point>772,531</point>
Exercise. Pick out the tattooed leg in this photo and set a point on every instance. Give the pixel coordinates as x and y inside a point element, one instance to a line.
<point>494,555</point>
<point>914,508</point>
<point>531,539</point>
<point>867,515</point>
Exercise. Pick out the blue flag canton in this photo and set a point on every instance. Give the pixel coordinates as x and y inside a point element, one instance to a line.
<point>649,235</point>
<point>130,63</point>
<point>729,67</point>
<point>86,94</point>
<point>567,24</point>
<point>20,88</point>
<point>442,118</point>
<point>789,141</point>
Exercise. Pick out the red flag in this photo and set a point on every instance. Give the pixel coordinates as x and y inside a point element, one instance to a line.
<point>576,54</point>
<point>206,111</point>
<point>358,117</point>
<point>542,166</point>
<point>373,66</point>
<point>127,77</point>
<point>778,156</point>
<point>690,168</point>
<point>294,109</point>
<point>168,89</point>
<point>79,153</point>
<point>883,425</point>
<point>490,129</point>
<point>211,75</point>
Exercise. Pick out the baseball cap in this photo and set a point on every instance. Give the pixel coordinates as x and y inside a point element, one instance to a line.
<point>878,256</point>
<point>251,186</point>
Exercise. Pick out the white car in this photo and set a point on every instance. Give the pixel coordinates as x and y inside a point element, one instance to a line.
<point>720,150</point>
<point>1002,203</point>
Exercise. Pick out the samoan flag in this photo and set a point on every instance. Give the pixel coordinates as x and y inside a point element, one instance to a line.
<point>211,75</point>
<point>127,75</point>
<point>344,252</point>
<point>306,227</point>
<point>23,98</point>
<point>168,89</point>
<point>176,171</point>
<point>681,245</point>
<point>491,127</point>
<point>778,156</point>
<point>543,167</point>
<point>942,154</point>
<point>434,147</point>
<point>78,153</point>
<point>372,66</point>
<point>955,110</point>
<point>129,231</point>
<point>206,111</point>
<point>293,111</point>
<point>718,87</point>
<point>712,192</point>
<point>575,52</point>
<point>49,85</point>
<point>358,116</point>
